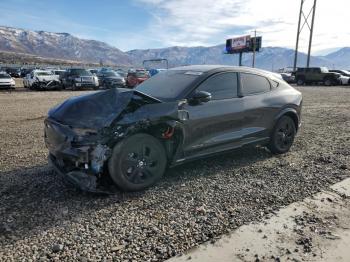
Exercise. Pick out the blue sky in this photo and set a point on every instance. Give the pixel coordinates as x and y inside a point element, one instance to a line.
<point>161,23</point>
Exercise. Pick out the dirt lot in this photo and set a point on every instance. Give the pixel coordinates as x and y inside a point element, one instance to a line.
<point>43,218</point>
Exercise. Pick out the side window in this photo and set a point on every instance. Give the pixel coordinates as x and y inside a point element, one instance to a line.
<point>221,86</point>
<point>254,84</point>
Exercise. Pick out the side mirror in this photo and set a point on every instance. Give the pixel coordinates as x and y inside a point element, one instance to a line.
<point>201,97</point>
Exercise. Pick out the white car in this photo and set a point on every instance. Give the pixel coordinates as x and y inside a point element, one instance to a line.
<point>41,80</point>
<point>344,80</point>
<point>6,81</point>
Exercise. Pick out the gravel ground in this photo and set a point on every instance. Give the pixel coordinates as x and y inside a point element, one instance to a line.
<point>42,218</point>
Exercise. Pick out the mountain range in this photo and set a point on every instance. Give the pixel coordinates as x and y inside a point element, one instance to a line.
<point>69,47</point>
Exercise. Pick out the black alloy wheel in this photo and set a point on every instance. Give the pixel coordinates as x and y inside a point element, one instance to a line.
<point>282,137</point>
<point>137,162</point>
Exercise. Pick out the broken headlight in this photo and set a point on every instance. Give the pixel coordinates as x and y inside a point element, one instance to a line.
<point>84,131</point>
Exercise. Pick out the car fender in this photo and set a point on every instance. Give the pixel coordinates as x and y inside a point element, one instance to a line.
<point>288,111</point>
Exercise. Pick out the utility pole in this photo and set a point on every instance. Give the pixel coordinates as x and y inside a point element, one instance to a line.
<point>254,47</point>
<point>298,33</point>
<point>300,28</point>
<point>311,33</point>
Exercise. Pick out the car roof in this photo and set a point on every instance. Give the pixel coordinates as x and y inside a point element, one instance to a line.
<point>41,70</point>
<point>207,69</point>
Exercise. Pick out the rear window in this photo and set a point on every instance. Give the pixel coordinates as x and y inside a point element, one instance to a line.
<point>254,84</point>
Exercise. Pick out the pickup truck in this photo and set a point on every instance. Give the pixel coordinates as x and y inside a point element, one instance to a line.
<point>304,75</point>
<point>77,78</point>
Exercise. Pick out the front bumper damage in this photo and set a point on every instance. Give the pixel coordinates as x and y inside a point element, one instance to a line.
<point>82,159</point>
<point>81,165</point>
<point>46,85</point>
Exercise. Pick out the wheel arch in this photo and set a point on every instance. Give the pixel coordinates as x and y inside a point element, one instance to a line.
<point>292,113</point>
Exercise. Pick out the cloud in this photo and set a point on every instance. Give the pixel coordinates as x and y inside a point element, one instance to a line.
<point>208,22</point>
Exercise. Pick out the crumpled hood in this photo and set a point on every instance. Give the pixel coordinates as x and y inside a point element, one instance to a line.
<point>48,78</point>
<point>95,110</point>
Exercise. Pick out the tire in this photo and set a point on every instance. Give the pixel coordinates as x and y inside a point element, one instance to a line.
<point>300,81</point>
<point>74,87</point>
<point>137,162</point>
<point>282,136</point>
<point>328,82</point>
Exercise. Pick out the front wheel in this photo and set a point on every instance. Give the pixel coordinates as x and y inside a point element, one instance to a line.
<point>282,136</point>
<point>137,162</point>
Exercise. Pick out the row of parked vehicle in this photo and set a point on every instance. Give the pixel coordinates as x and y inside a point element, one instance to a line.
<point>77,78</point>
<point>315,75</point>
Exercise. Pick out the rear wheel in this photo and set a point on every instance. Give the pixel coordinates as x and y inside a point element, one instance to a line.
<point>328,81</point>
<point>137,162</point>
<point>282,136</point>
<point>300,81</point>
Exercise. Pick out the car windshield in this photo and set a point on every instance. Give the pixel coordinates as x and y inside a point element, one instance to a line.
<point>4,75</point>
<point>43,73</point>
<point>141,74</point>
<point>81,72</point>
<point>112,74</point>
<point>168,85</point>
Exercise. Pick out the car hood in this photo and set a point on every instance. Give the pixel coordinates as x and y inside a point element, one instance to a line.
<point>5,80</point>
<point>100,109</point>
<point>48,78</point>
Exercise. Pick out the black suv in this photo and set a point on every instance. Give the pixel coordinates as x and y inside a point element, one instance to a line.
<point>14,72</point>
<point>77,78</point>
<point>310,75</point>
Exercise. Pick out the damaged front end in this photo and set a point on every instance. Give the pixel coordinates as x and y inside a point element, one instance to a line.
<point>46,85</point>
<point>82,132</point>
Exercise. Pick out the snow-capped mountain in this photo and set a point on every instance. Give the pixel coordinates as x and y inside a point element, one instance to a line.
<point>269,58</point>
<point>66,46</point>
<point>59,45</point>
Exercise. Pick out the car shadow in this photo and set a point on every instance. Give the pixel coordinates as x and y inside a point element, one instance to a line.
<point>36,199</point>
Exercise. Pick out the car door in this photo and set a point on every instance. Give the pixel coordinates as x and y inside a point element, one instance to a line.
<point>260,107</point>
<point>215,125</point>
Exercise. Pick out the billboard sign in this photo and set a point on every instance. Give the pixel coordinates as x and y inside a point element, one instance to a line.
<point>243,44</point>
<point>240,42</point>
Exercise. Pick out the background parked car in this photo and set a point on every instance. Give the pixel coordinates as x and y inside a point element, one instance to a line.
<point>310,75</point>
<point>6,81</point>
<point>122,73</point>
<point>25,71</point>
<point>345,76</point>
<point>136,77</point>
<point>110,79</point>
<point>14,72</point>
<point>288,77</point>
<point>93,71</point>
<point>79,77</point>
<point>42,80</point>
